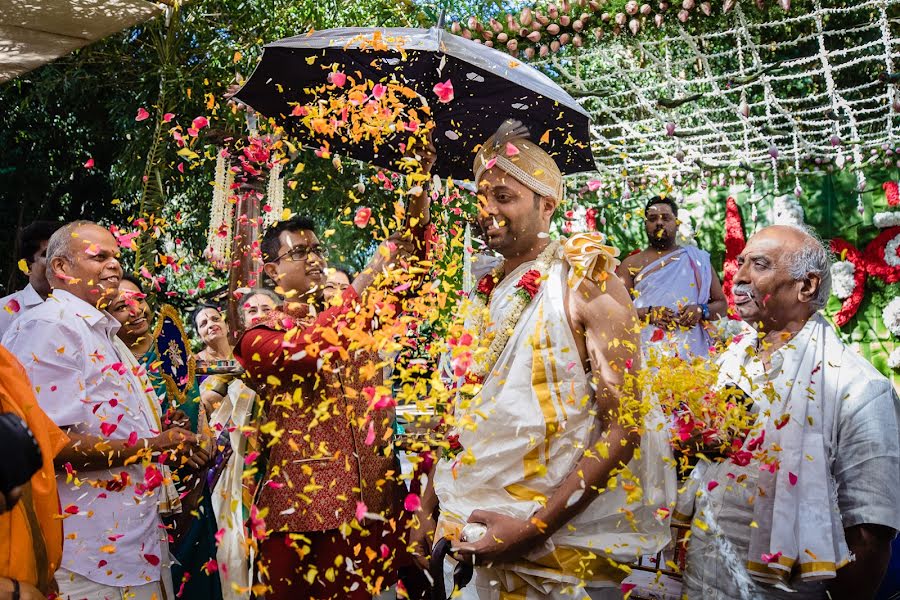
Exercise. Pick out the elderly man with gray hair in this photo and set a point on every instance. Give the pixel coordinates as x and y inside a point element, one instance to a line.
<point>112,482</point>
<point>807,502</point>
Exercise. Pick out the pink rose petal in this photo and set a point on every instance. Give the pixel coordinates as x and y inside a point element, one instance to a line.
<point>444,91</point>
<point>12,306</point>
<point>412,503</point>
<point>511,149</point>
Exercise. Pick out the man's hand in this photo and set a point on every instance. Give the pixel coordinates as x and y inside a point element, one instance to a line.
<point>176,418</point>
<point>182,442</point>
<point>690,315</point>
<point>26,590</point>
<point>661,316</point>
<point>8,501</point>
<point>396,247</point>
<point>421,538</point>
<point>507,539</point>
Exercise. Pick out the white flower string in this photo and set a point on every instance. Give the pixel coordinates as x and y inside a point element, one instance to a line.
<point>274,195</point>
<point>726,127</point>
<point>218,239</point>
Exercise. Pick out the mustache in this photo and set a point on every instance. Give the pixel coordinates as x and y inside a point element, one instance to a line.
<point>744,289</point>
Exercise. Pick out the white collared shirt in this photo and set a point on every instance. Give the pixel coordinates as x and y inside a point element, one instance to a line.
<point>66,346</point>
<point>15,306</point>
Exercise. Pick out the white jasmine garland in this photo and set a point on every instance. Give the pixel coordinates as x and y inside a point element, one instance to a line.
<point>883,220</point>
<point>893,360</point>
<point>842,281</point>
<point>890,251</point>
<point>891,316</point>
<point>504,329</point>
<point>787,211</point>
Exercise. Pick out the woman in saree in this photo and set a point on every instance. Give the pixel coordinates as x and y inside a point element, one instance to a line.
<point>193,529</point>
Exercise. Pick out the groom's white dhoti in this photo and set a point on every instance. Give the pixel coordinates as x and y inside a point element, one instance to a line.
<point>531,423</point>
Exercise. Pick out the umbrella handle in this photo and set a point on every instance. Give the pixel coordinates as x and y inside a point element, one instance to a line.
<point>462,573</point>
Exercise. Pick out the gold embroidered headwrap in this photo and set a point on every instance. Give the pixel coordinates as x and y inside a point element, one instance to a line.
<point>510,150</point>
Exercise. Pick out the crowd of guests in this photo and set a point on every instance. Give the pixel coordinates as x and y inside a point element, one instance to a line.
<point>284,482</point>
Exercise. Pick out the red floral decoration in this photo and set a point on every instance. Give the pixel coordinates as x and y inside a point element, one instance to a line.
<point>874,257</point>
<point>485,286</point>
<point>734,245</point>
<point>847,251</point>
<point>530,282</point>
<point>891,193</point>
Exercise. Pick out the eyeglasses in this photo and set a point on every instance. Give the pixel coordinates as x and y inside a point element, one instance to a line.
<point>301,253</point>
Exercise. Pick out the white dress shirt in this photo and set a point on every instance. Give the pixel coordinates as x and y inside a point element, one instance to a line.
<point>15,306</point>
<point>66,346</point>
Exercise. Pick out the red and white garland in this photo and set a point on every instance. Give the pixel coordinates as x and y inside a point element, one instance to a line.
<point>882,255</point>
<point>526,289</point>
<point>849,253</point>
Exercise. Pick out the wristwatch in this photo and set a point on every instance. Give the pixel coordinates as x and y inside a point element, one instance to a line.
<point>704,308</point>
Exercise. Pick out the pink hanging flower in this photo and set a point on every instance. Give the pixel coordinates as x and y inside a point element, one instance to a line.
<point>444,91</point>
<point>142,114</point>
<point>89,164</point>
<point>168,117</point>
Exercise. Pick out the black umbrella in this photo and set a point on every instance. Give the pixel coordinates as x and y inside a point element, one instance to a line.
<point>489,87</point>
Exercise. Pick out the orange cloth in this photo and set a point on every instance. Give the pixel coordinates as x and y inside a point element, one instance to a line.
<point>31,534</point>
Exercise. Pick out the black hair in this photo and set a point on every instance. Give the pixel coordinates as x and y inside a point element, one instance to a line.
<point>200,308</point>
<point>31,236</point>
<point>271,242</point>
<point>350,273</point>
<point>661,200</point>
<point>135,281</point>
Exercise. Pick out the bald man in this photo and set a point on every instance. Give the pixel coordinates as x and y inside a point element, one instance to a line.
<point>109,475</point>
<point>808,501</point>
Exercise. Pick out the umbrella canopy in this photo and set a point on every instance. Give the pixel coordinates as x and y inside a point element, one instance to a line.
<point>488,88</point>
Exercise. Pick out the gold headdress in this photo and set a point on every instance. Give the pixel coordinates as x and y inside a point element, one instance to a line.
<point>510,150</point>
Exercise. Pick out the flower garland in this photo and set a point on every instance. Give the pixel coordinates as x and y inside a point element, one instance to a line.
<point>881,256</point>
<point>893,360</point>
<point>850,253</point>
<point>883,220</point>
<point>843,282</point>
<point>274,196</point>
<point>526,289</point>
<point>218,239</point>
<point>734,245</point>
<point>891,193</point>
<point>891,316</point>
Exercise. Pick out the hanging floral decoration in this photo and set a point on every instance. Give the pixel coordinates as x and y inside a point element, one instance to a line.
<point>891,316</point>
<point>883,220</point>
<point>850,253</point>
<point>734,245</point>
<point>882,256</point>
<point>891,193</point>
<point>893,360</point>
<point>843,279</point>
